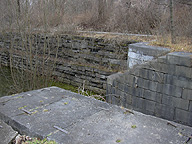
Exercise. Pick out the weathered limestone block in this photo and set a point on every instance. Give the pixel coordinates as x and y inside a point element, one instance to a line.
<point>184,116</point>
<point>180,58</point>
<point>140,53</point>
<point>7,134</point>
<point>175,102</point>
<point>164,111</point>
<point>187,94</point>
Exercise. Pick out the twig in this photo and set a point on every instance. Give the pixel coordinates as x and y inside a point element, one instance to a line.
<point>98,97</point>
<point>62,130</point>
<point>168,123</point>
<point>26,111</point>
<point>128,111</point>
<point>189,137</point>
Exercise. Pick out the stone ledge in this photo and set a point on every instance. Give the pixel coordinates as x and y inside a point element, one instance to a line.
<point>180,58</point>
<point>7,134</point>
<point>85,120</point>
<point>140,53</point>
<point>149,50</point>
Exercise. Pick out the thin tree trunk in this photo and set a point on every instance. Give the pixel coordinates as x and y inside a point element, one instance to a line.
<point>172,22</point>
<point>101,10</point>
<point>19,8</point>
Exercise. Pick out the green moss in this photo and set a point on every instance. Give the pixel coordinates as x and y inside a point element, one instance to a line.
<point>123,44</point>
<point>36,141</point>
<point>118,141</point>
<point>49,134</point>
<point>17,97</point>
<point>64,86</point>
<point>22,107</point>
<point>34,112</point>
<point>133,126</point>
<point>70,87</point>
<point>45,110</point>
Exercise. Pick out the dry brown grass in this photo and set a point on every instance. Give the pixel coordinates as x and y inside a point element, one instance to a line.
<point>110,36</point>
<point>182,43</point>
<point>63,16</point>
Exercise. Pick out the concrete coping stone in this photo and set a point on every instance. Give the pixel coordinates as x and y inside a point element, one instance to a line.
<point>181,54</point>
<point>149,50</point>
<point>180,58</point>
<point>7,134</point>
<point>70,118</point>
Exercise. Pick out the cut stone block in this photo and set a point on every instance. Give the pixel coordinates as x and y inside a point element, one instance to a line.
<point>7,134</point>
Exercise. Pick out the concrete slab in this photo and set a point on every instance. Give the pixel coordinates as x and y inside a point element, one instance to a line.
<point>7,134</point>
<point>70,118</point>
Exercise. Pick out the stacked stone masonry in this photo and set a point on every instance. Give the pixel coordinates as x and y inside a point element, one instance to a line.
<point>161,87</point>
<point>79,59</point>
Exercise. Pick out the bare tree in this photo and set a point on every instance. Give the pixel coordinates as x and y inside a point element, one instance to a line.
<point>18,7</point>
<point>187,2</point>
<point>171,21</point>
<point>101,10</point>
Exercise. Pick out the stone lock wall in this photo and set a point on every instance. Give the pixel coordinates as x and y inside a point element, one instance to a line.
<point>153,84</point>
<point>161,87</point>
<point>79,59</point>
